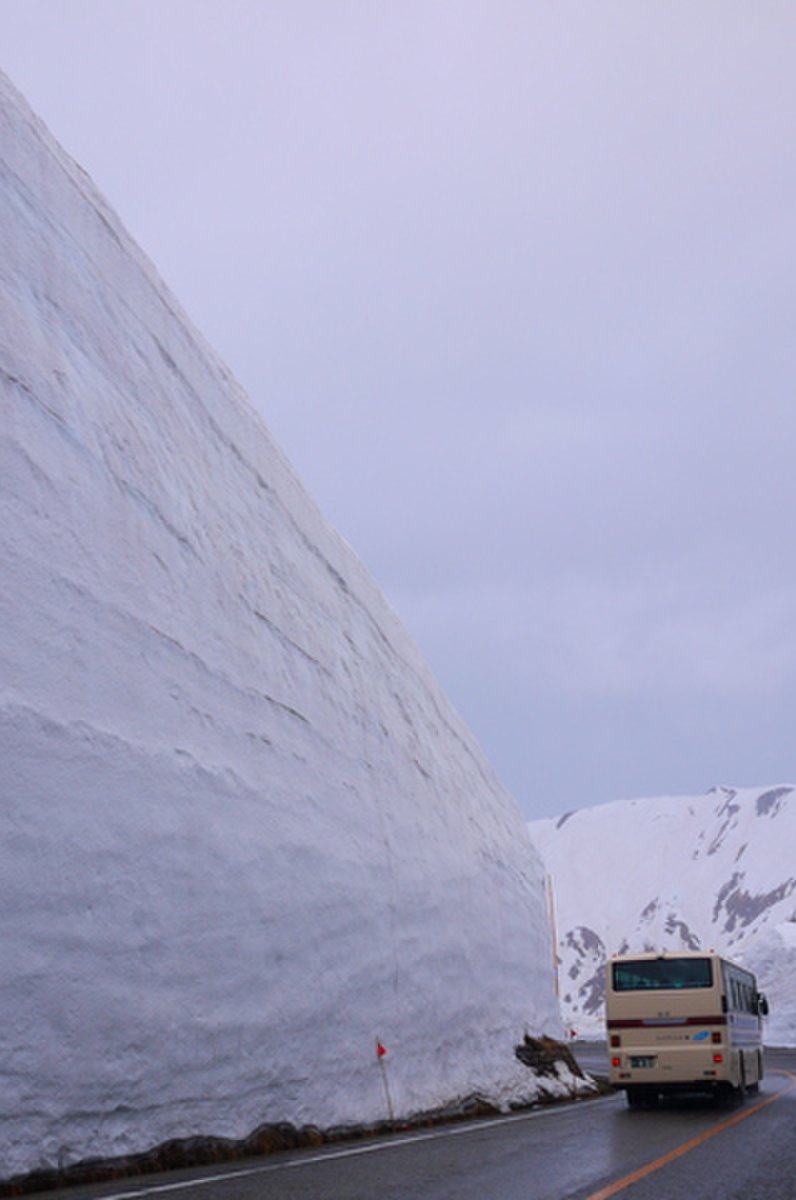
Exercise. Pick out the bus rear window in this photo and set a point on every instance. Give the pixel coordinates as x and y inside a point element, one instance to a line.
<point>645,974</point>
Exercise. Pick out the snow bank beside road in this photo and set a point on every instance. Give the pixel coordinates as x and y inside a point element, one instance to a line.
<point>244,834</point>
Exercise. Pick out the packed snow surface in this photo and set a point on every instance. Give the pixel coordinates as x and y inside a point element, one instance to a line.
<point>715,871</point>
<point>244,834</point>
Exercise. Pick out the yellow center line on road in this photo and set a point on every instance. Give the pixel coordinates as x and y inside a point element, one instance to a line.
<point>619,1186</point>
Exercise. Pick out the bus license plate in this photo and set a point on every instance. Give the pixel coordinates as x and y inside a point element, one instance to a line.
<point>643,1060</point>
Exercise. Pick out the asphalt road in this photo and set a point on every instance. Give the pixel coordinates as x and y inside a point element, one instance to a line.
<point>589,1150</point>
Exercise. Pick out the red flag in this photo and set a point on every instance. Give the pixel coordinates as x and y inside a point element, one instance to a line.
<point>380,1050</point>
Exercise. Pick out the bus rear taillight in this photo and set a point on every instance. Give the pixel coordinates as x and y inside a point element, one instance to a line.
<point>716,1039</point>
<point>616,1040</point>
<point>616,1061</point>
<point>718,1058</point>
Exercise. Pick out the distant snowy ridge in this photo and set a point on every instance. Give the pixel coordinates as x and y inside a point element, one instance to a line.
<point>243,832</point>
<point>691,872</point>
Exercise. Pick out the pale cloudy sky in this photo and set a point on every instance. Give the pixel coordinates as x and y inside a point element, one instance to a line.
<point>512,284</point>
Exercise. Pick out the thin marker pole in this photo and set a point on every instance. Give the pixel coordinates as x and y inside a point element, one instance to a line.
<point>551,909</point>
<point>381,1054</point>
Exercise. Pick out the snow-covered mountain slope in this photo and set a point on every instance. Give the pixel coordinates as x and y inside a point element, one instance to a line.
<point>714,871</point>
<point>244,834</point>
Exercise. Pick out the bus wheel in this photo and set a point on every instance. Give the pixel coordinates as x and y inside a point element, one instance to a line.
<point>635,1097</point>
<point>741,1093</point>
<point>754,1088</point>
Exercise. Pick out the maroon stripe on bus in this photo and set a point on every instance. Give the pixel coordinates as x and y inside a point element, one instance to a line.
<point>664,1022</point>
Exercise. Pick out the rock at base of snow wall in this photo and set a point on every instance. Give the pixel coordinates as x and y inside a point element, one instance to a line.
<point>244,835</point>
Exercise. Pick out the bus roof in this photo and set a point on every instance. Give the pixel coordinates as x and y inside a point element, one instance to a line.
<point>651,955</point>
<point>668,954</point>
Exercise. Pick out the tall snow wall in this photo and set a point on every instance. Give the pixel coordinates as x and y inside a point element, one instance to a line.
<point>243,832</point>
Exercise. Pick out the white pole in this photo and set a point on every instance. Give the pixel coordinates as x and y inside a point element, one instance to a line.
<point>551,909</point>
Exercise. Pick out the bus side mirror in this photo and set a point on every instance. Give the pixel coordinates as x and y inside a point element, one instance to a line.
<point>762,1005</point>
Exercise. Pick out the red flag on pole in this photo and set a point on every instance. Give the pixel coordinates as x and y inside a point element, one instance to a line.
<point>381,1051</point>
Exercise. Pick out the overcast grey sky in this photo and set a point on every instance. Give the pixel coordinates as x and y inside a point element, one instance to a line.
<point>512,284</point>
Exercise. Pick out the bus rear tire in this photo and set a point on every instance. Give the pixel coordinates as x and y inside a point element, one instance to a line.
<point>752,1089</point>
<point>742,1088</point>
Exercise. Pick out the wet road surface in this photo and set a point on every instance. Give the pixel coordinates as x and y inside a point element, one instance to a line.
<point>590,1150</point>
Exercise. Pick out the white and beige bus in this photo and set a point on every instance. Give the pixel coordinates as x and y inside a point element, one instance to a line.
<point>682,1022</point>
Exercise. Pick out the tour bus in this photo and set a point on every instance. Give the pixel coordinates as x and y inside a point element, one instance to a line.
<point>682,1021</point>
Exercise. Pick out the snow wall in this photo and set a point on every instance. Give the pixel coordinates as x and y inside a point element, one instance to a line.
<point>244,834</point>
